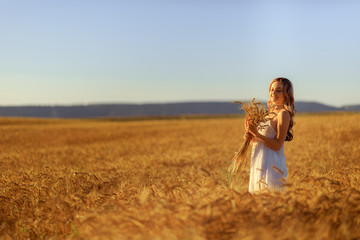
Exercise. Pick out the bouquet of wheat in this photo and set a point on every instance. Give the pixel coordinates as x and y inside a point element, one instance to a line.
<point>255,114</point>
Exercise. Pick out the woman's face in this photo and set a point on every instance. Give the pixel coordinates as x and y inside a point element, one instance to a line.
<point>277,93</point>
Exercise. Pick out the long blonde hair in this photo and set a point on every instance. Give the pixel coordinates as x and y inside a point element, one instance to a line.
<point>289,103</point>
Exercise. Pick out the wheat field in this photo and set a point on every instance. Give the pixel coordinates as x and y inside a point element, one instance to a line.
<point>167,179</point>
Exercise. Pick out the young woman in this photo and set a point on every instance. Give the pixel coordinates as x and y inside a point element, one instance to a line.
<point>268,166</point>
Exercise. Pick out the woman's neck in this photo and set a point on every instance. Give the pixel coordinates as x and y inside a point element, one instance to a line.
<point>277,108</point>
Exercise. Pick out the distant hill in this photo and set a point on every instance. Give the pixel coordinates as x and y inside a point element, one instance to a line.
<point>352,108</point>
<point>133,110</point>
<point>315,107</point>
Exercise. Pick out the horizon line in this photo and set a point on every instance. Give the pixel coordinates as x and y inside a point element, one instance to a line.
<point>156,103</point>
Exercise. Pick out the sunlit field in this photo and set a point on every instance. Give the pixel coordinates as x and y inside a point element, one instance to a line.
<point>167,179</point>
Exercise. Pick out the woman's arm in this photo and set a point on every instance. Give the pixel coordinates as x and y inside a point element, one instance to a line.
<point>282,128</point>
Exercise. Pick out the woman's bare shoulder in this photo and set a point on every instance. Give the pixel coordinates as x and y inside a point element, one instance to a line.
<point>284,115</point>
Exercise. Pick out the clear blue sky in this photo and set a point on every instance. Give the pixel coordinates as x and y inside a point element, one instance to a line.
<point>84,51</point>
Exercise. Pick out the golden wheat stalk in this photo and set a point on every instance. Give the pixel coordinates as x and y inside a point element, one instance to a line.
<point>256,114</point>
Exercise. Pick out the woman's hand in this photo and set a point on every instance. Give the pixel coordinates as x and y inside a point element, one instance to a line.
<point>252,129</point>
<point>248,136</point>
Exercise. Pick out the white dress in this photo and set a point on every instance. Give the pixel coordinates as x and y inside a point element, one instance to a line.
<point>268,167</point>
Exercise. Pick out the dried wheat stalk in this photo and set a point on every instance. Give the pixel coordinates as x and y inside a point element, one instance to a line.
<point>256,114</point>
